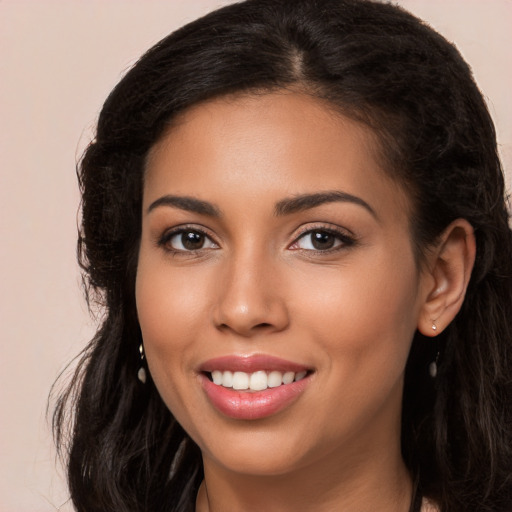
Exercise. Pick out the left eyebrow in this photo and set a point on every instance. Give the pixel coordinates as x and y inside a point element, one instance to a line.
<point>307,201</point>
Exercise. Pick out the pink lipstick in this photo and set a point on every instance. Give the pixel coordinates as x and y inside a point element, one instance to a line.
<point>253,387</point>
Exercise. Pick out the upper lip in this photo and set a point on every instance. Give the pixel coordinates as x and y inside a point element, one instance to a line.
<point>251,363</point>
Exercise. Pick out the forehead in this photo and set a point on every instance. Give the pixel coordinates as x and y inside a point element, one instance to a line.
<point>267,145</point>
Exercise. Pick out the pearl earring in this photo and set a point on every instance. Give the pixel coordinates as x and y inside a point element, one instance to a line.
<point>141,374</point>
<point>432,367</point>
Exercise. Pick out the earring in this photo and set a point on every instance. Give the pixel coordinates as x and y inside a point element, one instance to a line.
<point>141,374</point>
<point>432,367</point>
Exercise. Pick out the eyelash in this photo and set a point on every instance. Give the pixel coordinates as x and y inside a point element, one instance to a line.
<point>165,239</point>
<point>345,240</point>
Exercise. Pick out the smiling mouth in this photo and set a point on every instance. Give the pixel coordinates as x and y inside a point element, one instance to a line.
<point>256,381</point>
<point>253,387</point>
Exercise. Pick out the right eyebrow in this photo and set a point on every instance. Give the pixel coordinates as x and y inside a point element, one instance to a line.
<point>189,204</point>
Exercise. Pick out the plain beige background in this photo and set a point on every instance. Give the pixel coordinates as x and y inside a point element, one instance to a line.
<point>58,61</point>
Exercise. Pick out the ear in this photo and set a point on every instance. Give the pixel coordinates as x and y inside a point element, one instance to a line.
<point>447,276</point>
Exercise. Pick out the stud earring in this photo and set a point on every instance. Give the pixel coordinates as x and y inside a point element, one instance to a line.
<point>141,374</point>
<point>434,326</point>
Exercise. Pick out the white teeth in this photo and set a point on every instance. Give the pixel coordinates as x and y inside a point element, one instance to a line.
<point>217,377</point>
<point>274,379</point>
<point>257,381</point>
<point>300,376</point>
<point>227,379</point>
<point>240,380</point>
<point>288,377</point>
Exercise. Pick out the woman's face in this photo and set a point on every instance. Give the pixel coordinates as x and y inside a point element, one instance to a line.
<point>275,249</point>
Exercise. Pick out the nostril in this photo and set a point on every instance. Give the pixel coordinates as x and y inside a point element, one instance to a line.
<point>262,325</point>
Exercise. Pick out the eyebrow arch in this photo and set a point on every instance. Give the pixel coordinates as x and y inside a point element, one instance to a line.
<point>189,204</point>
<point>307,201</point>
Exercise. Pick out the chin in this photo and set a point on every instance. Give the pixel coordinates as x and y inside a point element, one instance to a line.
<point>257,452</point>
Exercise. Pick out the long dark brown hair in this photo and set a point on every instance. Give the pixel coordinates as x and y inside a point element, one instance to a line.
<point>375,63</point>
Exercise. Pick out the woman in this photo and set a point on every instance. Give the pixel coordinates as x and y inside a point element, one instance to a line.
<point>294,216</point>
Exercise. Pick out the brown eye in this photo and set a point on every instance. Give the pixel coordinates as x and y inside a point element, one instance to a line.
<point>189,240</point>
<point>322,240</point>
<point>192,240</point>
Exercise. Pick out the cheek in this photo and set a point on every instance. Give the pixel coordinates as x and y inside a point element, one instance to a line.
<point>169,307</point>
<point>170,300</point>
<point>364,314</point>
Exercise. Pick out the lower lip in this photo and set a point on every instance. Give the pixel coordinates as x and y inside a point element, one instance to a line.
<point>252,405</point>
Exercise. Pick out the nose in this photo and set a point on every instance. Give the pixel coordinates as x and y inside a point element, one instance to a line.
<point>250,297</point>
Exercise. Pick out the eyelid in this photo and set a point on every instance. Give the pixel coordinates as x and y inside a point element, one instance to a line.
<point>168,234</point>
<point>346,236</point>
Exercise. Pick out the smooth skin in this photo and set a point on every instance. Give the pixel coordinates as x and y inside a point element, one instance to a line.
<point>238,268</point>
